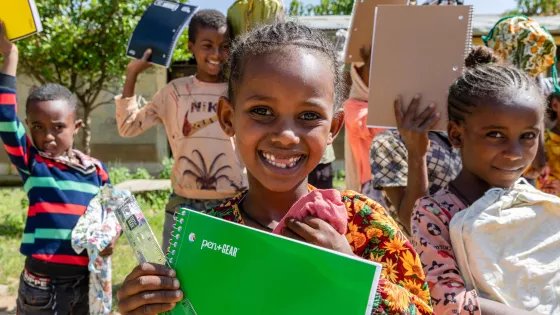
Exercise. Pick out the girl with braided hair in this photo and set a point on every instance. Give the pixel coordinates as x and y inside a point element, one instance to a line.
<point>496,114</point>
<point>284,108</point>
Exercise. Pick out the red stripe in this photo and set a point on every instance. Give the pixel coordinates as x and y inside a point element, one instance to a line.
<point>63,259</point>
<point>101,172</point>
<point>15,151</point>
<point>50,163</point>
<point>7,99</point>
<point>56,208</point>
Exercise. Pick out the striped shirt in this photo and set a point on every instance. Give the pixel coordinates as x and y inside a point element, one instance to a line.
<point>58,192</point>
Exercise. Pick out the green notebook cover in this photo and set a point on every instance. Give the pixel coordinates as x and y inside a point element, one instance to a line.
<point>228,268</point>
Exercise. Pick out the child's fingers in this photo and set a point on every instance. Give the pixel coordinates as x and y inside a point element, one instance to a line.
<point>148,301</point>
<point>410,114</point>
<point>290,234</point>
<point>305,231</point>
<point>154,309</point>
<point>150,269</point>
<point>2,30</point>
<point>425,116</point>
<point>398,110</point>
<point>431,122</point>
<point>146,55</point>
<point>147,283</point>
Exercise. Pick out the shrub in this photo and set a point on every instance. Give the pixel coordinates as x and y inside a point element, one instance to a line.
<point>167,166</point>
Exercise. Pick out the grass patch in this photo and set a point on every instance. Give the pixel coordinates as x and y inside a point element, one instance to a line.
<point>13,210</point>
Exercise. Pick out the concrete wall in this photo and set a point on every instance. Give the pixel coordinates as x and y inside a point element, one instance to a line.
<point>146,150</point>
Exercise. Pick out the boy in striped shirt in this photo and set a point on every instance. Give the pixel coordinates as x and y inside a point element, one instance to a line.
<point>60,183</point>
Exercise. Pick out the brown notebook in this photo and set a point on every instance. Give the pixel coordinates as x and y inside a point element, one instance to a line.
<point>416,49</point>
<point>361,27</point>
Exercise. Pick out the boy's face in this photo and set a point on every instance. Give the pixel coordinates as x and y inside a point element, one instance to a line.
<point>211,51</point>
<point>52,125</point>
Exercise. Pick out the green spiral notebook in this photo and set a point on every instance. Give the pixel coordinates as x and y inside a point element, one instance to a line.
<point>227,268</point>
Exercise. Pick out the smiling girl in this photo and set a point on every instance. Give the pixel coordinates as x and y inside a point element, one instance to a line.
<point>495,119</point>
<point>283,107</point>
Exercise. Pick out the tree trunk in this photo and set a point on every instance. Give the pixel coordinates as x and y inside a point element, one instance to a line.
<point>86,140</point>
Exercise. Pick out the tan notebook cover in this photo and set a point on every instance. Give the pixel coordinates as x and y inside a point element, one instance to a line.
<point>361,27</point>
<point>416,49</point>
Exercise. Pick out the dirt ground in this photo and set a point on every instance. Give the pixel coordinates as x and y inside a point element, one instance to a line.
<point>8,304</point>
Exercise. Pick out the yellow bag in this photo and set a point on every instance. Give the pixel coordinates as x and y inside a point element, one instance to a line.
<point>244,14</point>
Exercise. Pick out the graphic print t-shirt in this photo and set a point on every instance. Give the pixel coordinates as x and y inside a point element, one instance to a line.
<point>206,164</point>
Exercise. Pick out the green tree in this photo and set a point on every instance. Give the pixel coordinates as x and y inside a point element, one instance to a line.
<point>537,7</point>
<point>326,7</point>
<point>83,47</point>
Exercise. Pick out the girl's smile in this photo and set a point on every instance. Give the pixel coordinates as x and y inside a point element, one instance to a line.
<point>288,160</point>
<point>283,129</point>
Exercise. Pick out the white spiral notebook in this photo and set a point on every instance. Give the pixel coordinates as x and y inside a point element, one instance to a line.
<point>416,49</point>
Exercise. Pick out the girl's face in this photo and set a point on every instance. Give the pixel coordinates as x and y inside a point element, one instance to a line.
<point>498,142</point>
<point>282,116</point>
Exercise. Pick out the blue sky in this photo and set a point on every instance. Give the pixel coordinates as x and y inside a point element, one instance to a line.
<point>481,6</point>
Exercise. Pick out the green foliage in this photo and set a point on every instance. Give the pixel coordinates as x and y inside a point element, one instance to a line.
<point>119,175</point>
<point>142,173</point>
<point>326,7</point>
<point>83,48</point>
<point>167,166</point>
<point>155,200</point>
<point>536,7</point>
<point>13,224</point>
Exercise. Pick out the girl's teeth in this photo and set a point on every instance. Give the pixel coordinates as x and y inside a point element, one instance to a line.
<point>271,158</point>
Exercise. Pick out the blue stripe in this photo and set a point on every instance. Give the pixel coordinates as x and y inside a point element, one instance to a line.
<point>46,194</point>
<point>50,247</point>
<point>52,221</point>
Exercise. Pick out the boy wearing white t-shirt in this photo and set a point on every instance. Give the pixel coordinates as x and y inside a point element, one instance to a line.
<point>207,170</point>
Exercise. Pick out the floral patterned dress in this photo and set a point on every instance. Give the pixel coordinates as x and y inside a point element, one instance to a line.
<point>430,235</point>
<point>373,235</point>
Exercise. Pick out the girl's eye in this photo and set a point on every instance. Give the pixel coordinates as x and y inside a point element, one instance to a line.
<point>495,134</point>
<point>58,128</point>
<point>529,135</point>
<point>261,111</point>
<point>37,128</point>
<point>207,46</point>
<point>309,116</point>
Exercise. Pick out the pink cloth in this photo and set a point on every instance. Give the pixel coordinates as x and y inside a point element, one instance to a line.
<point>325,204</point>
<point>359,135</point>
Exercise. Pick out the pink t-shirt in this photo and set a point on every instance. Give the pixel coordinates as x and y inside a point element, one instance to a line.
<point>430,237</point>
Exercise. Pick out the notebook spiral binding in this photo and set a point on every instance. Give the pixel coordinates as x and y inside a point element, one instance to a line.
<point>175,235</point>
<point>468,44</point>
<point>174,244</point>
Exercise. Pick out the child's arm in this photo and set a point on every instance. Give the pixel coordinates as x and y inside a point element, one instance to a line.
<point>413,127</point>
<point>131,120</point>
<point>12,131</point>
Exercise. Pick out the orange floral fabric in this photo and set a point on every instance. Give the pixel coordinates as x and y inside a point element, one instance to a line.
<point>373,235</point>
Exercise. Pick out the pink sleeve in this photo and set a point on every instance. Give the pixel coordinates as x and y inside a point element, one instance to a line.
<point>430,237</point>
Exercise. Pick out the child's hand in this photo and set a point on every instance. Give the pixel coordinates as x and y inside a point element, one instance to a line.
<point>316,231</point>
<point>108,251</point>
<point>365,53</point>
<point>6,47</point>
<point>136,66</point>
<point>552,187</point>
<point>149,289</point>
<point>414,127</point>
